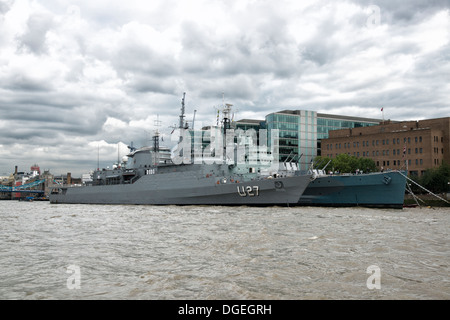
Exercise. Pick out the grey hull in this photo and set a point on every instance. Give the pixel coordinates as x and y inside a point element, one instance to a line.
<point>171,189</point>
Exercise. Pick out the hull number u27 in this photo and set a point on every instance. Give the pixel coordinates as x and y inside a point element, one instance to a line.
<point>248,191</point>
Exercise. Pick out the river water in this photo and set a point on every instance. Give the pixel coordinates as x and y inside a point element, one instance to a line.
<point>89,252</point>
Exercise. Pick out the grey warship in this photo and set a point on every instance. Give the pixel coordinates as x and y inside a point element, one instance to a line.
<point>152,177</point>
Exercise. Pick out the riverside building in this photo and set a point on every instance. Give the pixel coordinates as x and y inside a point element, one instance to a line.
<point>415,145</point>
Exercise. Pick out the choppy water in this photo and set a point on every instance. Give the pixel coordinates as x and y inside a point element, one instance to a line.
<point>202,252</point>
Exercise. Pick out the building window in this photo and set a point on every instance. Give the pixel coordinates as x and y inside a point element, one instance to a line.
<point>420,139</point>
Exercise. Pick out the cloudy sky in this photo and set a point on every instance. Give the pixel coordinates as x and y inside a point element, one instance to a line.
<point>80,80</point>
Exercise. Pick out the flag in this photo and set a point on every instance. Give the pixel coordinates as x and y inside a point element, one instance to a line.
<point>381,109</point>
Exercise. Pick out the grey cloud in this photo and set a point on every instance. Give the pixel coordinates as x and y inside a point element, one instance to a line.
<point>137,58</point>
<point>23,82</point>
<point>236,88</point>
<point>5,6</point>
<point>406,12</point>
<point>263,49</point>
<point>35,36</point>
<point>149,83</point>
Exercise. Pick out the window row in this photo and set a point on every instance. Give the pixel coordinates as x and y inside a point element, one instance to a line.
<point>356,144</point>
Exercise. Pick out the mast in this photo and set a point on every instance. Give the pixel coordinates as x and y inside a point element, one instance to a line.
<point>156,141</point>
<point>181,125</point>
<point>226,117</point>
<point>98,157</point>
<point>118,155</point>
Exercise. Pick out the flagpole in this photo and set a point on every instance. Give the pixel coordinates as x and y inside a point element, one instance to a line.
<point>382,113</point>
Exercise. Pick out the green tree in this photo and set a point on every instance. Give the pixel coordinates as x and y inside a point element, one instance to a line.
<point>367,165</point>
<point>436,180</point>
<point>345,163</point>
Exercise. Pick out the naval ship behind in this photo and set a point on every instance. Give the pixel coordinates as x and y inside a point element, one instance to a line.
<point>151,177</point>
<point>374,190</point>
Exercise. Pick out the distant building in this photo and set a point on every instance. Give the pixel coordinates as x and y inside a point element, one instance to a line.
<point>416,145</point>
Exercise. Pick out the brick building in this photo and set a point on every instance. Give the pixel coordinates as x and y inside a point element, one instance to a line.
<point>423,144</point>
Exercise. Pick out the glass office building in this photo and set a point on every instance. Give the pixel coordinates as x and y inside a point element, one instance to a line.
<point>297,135</point>
<point>301,132</point>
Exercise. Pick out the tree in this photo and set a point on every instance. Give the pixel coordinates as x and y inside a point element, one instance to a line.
<point>346,164</point>
<point>367,165</point>
<point>436,180</point>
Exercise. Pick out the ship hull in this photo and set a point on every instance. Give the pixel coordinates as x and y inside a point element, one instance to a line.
<point>170,189</point>
<point>379,190</point>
